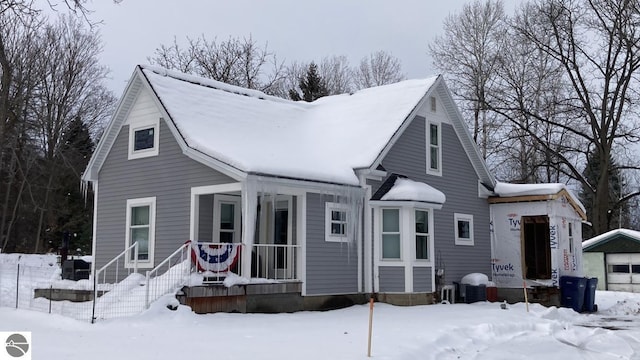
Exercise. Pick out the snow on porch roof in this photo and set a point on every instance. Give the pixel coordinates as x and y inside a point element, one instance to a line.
<point>324,140</point>
<point>532,192</point>
<point>400,188</point>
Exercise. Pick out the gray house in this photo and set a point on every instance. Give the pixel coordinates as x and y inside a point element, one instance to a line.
<point>380,191</point>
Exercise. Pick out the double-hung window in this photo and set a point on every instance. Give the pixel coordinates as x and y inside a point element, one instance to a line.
<point>434,151</point>
<point>140,229</point>
<point>391,234</point>
<point>336,224</point>
<point>226,218</point>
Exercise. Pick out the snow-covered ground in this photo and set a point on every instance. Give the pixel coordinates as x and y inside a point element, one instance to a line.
<point>458,331</point>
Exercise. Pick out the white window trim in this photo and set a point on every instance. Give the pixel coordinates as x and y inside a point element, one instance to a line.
<point>430,171</point>
<point>138,154</point>
<point>328,236</point>
<point>151,202</point>
<point>463,217</point>
<point>217,200</point>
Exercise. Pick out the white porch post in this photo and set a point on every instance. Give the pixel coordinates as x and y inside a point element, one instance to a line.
<point>249,199</point>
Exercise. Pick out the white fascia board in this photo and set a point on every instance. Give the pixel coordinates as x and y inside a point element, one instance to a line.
<point>468,144</point>
<point>399,203</point>
<point>293,186</point>
<point>405,124</point>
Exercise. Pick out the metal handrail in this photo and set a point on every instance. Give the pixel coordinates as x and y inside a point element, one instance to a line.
<point>167,262</point>
<point>115,260</point>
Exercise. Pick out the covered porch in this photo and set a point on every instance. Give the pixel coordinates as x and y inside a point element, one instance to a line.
<point>253,233</point>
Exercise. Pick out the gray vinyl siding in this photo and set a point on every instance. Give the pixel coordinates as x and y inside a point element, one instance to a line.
<point>332,267</point>
<point>459,182</point>
<point>422,279</point>
<point>391,278</point>
<point>168,176</point>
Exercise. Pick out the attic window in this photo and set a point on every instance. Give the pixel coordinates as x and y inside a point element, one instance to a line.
<point>433,103</point>
<point>143,140</point>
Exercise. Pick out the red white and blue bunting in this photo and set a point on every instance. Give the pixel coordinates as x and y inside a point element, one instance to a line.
<point>215,257</point>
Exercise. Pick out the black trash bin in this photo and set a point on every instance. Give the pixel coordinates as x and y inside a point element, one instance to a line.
<point>75,270</point>
<point>572,290</point>
<point>590,295</point>
<point>475,293</point>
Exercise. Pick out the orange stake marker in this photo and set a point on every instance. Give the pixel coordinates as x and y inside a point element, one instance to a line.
<point>370,325</point>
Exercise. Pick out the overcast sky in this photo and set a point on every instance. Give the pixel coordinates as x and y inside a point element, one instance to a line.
<point>297,30</point>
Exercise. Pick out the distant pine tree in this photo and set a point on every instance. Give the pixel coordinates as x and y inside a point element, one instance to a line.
<point>617,215</point>
<point>312,86</point>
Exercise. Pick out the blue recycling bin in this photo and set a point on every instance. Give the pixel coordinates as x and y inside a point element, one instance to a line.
<point>572,291</point>
<point>590,295</point>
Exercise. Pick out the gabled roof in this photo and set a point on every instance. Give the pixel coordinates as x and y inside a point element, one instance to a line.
<point>510,193</point>
<point>248,132</point>
<point>630,239</point>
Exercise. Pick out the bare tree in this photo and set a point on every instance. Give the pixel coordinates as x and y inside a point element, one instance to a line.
<point>236,61</point>
<point>596,43</point>
<point>468,53</point>
<point>70,88</point>
<point>379,68</point>
<point>337,74</point>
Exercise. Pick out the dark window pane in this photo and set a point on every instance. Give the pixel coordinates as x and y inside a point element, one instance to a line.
<point>463,229</point>
<point>635,269</point>
<point>434,134</point>
<point>143,139</point>
<point>434,158</point>
<point>422,250</point>
<point>227,216</point>
<point>619,268</point>
<point>140,215</point>
<point>422,225</point>
<point>337,229</point>
<point>226,236</point>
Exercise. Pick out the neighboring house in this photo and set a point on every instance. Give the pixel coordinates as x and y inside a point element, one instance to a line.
<point>614,258</point>
<point>380,191</point>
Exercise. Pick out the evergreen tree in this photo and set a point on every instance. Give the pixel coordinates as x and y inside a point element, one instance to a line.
<point>312,85</point>
<point>73,210</point>
<point>617,214</point>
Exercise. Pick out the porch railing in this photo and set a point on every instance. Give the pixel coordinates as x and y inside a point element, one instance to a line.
<point>268,261</point>
<point>170,274</point>
<point>274,262</point>
<point>116,285</point>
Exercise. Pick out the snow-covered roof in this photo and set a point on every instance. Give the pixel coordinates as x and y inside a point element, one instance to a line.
<point>609,234</point>
<point>408,190</point>
<point>503,189</point>
<point>324,140</point>
<point>546,191</point>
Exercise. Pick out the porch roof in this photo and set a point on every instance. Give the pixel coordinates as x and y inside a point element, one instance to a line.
<point>400,188</point>
<point>323,141</point>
